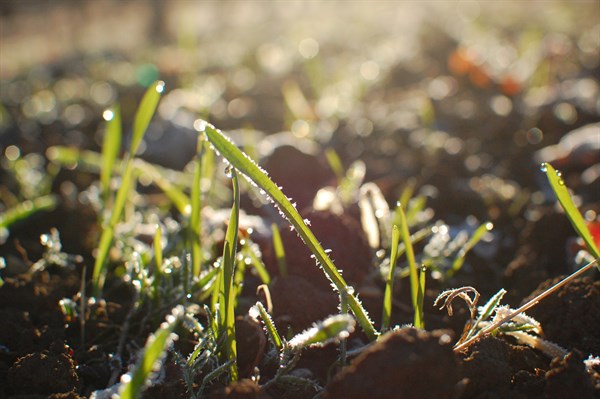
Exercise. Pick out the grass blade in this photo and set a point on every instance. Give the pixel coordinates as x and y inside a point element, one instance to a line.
<point>246,166</point>
<point>279,250</point>
<point>144,114</point>
<point>389,283</point>
<point>475,238</point>
<point>269,325</point>
<point>196,207</point>
<point>226,289</point>
<point>561,192</point>
<point>332,328</point>
<point>412,265</point>
<point>250,252</point>
<point>158,250</point>
<point>25,209</point>
<point>111,145</point>
<point>150,360</point>
<point>175,195</point>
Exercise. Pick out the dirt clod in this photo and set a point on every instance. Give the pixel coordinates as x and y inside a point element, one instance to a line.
<point>406,363</point>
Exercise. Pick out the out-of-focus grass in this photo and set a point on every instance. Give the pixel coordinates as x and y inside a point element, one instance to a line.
<point>142,120</point>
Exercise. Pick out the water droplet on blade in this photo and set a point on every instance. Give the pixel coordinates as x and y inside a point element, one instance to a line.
<point>543,167</point>
<point>229,171</point>
<point>160,86</point>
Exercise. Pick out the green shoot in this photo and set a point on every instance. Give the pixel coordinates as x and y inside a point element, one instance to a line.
<point>249,251</point>
<point>196,205</point>
<point>177,197</point>
<point>150,359</point>
<point>389,283</point>
<point>158,252</point>
<point>412,265</point>
<point>335,163</point>
<point>562,193</point>
<point>279,250</point>
<point>247,167</point>
<point>420,317</point>
<point>158,260</point>
<point>226,289</point>
<point>142,119</point>
<point>111,145</point>
<point>25,209</point>
<point>333,328</point>
<point>269,325</point>
<point>475,238</point>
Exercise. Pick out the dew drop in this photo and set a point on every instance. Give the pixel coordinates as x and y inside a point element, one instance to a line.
<point>489,226</point>
<point>561,182</point>
<point>558,173</point>
<point>423,268</point>
<point>543,167</point>
<point>108,115</point>
<point>160,86</point>
<point>229,171</point>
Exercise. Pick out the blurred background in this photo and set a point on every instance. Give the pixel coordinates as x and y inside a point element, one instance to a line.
<point>481,84</point>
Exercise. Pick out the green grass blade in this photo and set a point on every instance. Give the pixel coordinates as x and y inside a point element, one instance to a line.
<point>475,238</point>
<point>196,206</point>
<point>27,208</point>
<point>389,283</point>
<point>227,291</point>
<point>158,250</point>
<point>335,163</point>
<point>111,145</point>
<point>269,326</point>
<point>144,114</point>
<point>246,166</point>
<point>176,195</point>
<point>279,250</point>
<point>419,315</point>
<point>154,351</point>
<point>256,262</point>
<point>410,256</point>
<point>332,328</point>
<point>561,192</point>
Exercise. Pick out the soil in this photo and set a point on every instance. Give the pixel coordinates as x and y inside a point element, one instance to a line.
<point>465,133</point>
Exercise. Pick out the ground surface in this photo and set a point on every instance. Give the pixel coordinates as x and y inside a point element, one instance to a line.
<point>460,100</point>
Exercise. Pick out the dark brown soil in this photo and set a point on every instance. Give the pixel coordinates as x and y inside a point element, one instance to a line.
<point>406,363</point>
<point>445,117</point>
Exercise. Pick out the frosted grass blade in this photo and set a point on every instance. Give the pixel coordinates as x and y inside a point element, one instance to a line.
<point>561,192</point>
<point>247,167</point>
<point>151,357</point>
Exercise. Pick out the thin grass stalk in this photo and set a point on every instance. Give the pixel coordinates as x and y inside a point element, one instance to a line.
<point>412,265</point>
<point>196,205</point>
<point>111,145</point>
<point>279,250</point>
<point>227,291</point>
<point>419,314</point>
<point>531,303</point>
<point>475,238</point>
<point>142,119</point>
<point>389,282</point>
